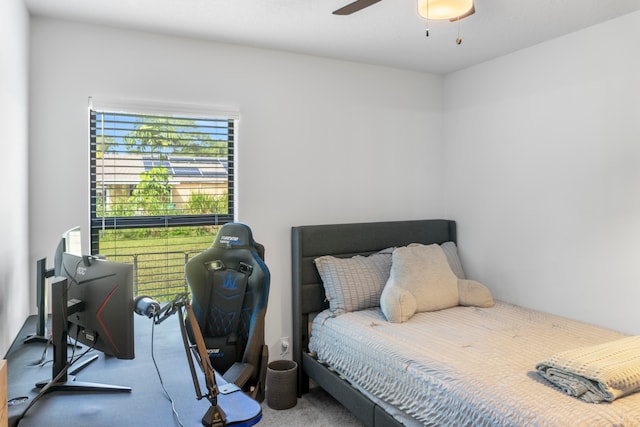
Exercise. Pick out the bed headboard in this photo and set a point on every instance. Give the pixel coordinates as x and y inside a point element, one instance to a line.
<point>345,240</point>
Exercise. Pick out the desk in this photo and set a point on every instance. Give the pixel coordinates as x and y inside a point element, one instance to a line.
<point>145,405</point>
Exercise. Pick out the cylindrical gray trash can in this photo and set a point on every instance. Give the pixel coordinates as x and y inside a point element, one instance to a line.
<point>282,384</point>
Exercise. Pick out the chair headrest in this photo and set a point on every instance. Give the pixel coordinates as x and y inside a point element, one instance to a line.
<point>234,235</point>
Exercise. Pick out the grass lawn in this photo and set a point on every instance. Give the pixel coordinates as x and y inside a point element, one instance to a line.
<point>158,256</point>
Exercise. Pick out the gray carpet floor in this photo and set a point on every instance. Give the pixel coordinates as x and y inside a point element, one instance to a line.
<point>314,409</point>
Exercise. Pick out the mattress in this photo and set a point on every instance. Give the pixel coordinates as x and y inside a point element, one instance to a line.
<point>466,365</point>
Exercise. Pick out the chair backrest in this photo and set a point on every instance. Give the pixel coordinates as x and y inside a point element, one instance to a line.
<point>229,283</point>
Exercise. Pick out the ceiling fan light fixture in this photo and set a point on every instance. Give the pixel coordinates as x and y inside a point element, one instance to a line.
<point>444,9</point>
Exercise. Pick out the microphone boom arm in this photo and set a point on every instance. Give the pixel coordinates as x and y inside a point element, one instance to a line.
<point>214,417</point>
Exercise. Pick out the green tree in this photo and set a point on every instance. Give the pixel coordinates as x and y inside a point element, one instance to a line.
<point>105,144</point>
<point>163,136</point>
<point>222,203</point>
<point>202,203</point>
<point>152,194</point>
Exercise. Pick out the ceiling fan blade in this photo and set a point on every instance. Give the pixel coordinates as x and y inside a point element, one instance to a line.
<point>354,7</point>
<point>469,13</point>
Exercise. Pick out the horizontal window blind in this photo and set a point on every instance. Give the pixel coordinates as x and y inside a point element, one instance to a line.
<point>161,186</point>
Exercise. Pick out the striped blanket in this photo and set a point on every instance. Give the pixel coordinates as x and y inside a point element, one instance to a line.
<point>598,373</point>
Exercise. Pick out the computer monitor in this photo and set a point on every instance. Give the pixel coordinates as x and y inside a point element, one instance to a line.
<point>103,291</point>
<point>71,242</point>
<point>92,302</point>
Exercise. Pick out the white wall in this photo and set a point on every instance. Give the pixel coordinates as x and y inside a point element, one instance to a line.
<point>320,141</point>
<point>14,233</point>
<point>543,172</point>
<point>540,166</point>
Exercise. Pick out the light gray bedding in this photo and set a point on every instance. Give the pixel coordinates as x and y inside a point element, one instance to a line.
<point>467,365</point>
<point>597,373</point>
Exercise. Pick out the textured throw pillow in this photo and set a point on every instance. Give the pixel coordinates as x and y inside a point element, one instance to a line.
<point>355,283</point>
<point>423,271</point>
<point>397,304</point>
<point>472,293</point>
<point>451,251</point>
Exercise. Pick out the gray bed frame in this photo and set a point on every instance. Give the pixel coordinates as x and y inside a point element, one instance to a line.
<point>345,240</point>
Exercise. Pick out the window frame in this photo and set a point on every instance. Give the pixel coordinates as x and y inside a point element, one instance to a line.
<point>99,222</point>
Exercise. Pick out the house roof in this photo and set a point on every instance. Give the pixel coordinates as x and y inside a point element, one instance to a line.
<point>127,168</point>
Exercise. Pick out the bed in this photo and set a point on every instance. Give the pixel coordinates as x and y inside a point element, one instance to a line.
<point>479,367</point>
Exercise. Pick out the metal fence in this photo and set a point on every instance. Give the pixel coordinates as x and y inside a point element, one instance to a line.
<point>159,275</point>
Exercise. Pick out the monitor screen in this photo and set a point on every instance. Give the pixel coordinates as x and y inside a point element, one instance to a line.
<point>71,242</point>
<point>104,291</point>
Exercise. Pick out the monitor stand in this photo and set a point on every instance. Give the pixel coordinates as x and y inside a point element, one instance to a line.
<point>65,381</point>
<point>42,273</point>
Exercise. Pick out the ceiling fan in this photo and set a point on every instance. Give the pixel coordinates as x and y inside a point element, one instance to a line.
<point>453,10</point>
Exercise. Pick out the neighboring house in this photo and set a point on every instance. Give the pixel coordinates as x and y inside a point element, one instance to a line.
<point>187,176</point>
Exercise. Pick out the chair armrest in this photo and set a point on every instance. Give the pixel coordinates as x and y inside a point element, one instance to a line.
<point>239,373</point>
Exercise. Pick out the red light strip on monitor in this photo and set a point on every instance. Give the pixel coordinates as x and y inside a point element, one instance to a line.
<point>99,317</point>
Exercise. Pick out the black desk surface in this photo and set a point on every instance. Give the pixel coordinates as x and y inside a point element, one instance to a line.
<point>145,405</point>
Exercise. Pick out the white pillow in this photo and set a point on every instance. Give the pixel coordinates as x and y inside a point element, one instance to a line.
<point>472,293</point>
<point>423,271</point>
<point>451,251</point>
<point>397,304</point>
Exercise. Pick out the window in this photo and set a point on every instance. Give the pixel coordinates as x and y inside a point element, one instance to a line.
<point>161,186</point>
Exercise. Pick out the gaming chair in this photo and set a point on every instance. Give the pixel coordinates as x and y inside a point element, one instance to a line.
<point>229,283</point>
